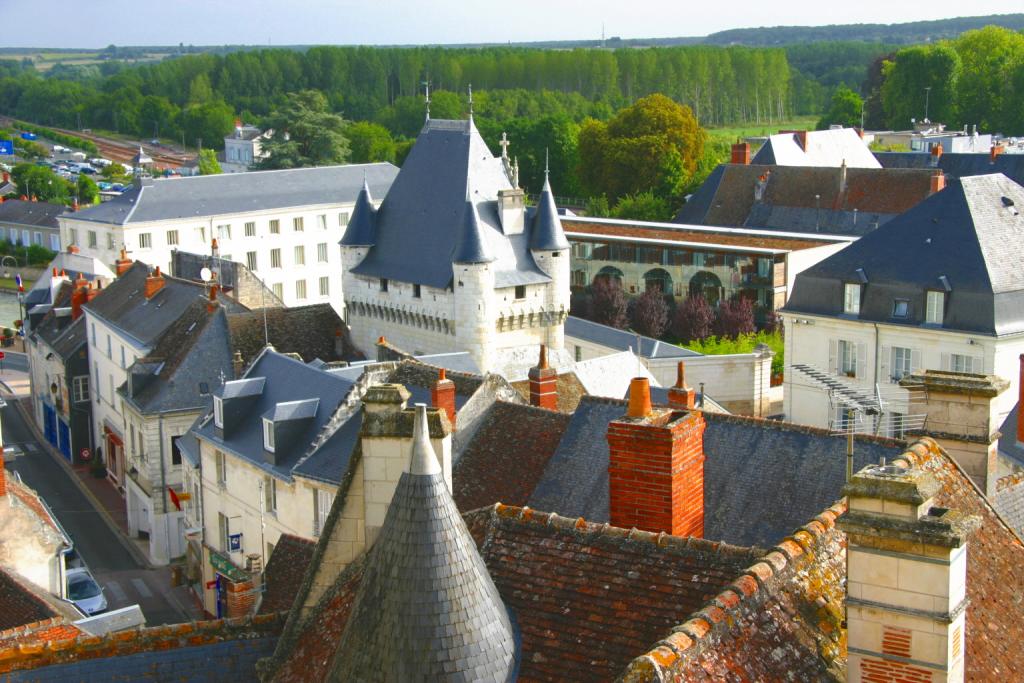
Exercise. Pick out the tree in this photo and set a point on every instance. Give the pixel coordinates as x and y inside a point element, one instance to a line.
<point>643,207</point>
<point>921,75</point>
<point>41,183</point>
<point>115,173</point>
<point>653,145</point>
<point>987,59</point>
<point>693,319</point>
<point>305,133</point>
<point>844,110</point>
<point>208,122</point>
<point>650,314</point>
<point>208,164</point>
<point>735,317</point>
<point>370,142</point>
<point>88,192</point>
<point>609,302</point>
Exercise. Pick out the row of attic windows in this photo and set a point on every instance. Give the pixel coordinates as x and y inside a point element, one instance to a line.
<point>935,304</point>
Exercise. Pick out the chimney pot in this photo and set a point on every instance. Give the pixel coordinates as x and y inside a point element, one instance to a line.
<point>741,153</point>
<point>122,264</point>
<point>938,182</point>
<point>682,396</point>
<point>154,283</point>
<point>639,398</point>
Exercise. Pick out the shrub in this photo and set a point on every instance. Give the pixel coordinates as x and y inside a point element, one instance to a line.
<point>650,314</point>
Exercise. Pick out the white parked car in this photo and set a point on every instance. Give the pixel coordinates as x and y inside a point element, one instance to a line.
<point>85,592</point>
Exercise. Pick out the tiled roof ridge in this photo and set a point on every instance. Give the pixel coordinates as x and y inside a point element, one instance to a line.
<point>33,501</point>
<point>35,654</point>
<point>754,584</point>
<point>528,408</point>
<point>1009,481</point>
<point>800,428</point>
<point>20,632</point>
<point>619,535</point>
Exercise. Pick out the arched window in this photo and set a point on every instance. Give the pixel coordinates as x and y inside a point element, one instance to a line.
<point>609,273</point>
<point>659,280</point>
<point>708,285</point>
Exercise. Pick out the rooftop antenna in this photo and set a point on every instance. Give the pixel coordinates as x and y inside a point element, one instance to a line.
<point>855,409</point>
<point>426,86</point>
<point>470,102</point>
<point>547,169</point>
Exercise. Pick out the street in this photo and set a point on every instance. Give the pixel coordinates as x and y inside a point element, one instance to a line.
<point>125,581</point>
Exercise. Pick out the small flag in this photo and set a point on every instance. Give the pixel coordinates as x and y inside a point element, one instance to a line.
<point>174,498</point>
<point>21,285</point>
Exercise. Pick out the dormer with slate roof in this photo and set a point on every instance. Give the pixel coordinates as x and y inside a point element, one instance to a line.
<point>449,261</point>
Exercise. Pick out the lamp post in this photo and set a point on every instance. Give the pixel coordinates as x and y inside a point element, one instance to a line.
<point>21,303</point>
<point>927,95</point>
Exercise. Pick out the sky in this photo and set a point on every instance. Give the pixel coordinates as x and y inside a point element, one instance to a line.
<point>97,23</point>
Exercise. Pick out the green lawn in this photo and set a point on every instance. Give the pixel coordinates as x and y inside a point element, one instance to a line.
<point>760,129</point>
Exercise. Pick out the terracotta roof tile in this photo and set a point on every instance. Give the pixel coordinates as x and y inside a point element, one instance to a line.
<point>20,603</point>
<point>570,391</point>
<point>285,571</point>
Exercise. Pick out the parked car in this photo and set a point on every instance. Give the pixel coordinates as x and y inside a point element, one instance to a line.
<point>85,592</point>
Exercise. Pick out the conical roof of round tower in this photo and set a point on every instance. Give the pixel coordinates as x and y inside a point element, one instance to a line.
<point>546,234</point>
<point>471,247</point>
<point>362,226</point>
<point>427,609</point>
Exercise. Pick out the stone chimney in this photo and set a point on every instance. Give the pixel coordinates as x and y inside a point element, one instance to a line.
<point>442,395</point>
<point>961,414</point>
<point>214,248</point>
<point>212,305</point>
<point>936,153</point>
<point>938,182</point>
<point>543,383</point>
<point>122,264</point>
<point>512,209</point>
<point>154,283</point>
<point>740,153</point>
<point>681,396</point>
<point>906,577</point>
<point>656,467</point>
<point>237,364</point>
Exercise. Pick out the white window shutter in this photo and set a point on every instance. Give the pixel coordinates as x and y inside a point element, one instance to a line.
<point>915,360</point>
<point>946,362</point>
<point>833,351</point>
<point>884,363</point>
<point>862,361</point>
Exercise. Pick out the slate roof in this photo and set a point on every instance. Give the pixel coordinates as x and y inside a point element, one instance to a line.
<point>37,214</point>
<point>958,164</point>
<point>471,246</point>
<point>310,331</point>
<point>321,450</point>
<point>970,233</point>
<point>283,574</point>
<point>1008,445</point>
<point>547,234</point>
<point>122,304</point>
<point>417,224</point>
<point>1008,500</point>
<point>621,340</point>
<point>230,193</point>
<point>52,327</point>
<point>568,386</point>
<point>361,230</point>
<point>426,608</point>
<point>823,148</point>
<point>485,474</point>
<point>805,199</point>
<point>804,467</point>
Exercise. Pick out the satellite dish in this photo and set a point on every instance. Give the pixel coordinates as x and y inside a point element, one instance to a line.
<point>206,274</point>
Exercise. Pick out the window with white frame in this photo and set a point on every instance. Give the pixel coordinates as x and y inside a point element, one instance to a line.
<point>321,252</point>
<point>901,308</point>
<point>935,309</point>
<point>300,255</point>
<point>38,238</point>
<point>222,529</point>
<point>250,229</point>
<point>268,435</point>
<point>222,468</point>
<point>275,258</point>
<point>847,358</point>
<point>851,299</point>
<point>278,289</point>
<point>72,236</point>
<point>300,289</point>
<point>325,286</point>
<point>218,412</point>
<point>321,508</point>
<point>959,362</point>
<point>145,240</point>
<point>80,388</point>
<point>172,238</point>
<point>270,495</point>
<point>322,221</point>
<point>110,240</point>
<point>224,232</point>
<point>298,224</point>
<point>250,260</point>
<point>92,238</point>
<point>275,226</point>
<point>902,363</point>
<point>343,218</point>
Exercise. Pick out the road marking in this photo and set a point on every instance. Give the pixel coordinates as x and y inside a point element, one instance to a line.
<point>115,588</point>
<point>142,588</point>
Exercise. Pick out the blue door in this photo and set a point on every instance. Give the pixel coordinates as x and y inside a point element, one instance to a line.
<point>50,424</point>
<point>64,439</point>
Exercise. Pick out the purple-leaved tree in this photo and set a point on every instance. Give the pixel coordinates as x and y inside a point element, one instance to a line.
<point>693,319</point>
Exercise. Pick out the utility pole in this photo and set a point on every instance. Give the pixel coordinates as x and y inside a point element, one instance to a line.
<point>927,95</point>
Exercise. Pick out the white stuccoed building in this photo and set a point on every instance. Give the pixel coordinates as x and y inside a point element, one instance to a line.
<point>452,260</point>
<point>283,225</point>
<point>938,288</point>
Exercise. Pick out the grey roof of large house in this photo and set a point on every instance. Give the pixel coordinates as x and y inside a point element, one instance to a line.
<point>621,340</point>
<point>56,324</point>
<point>1008,444</point>
<point>823,148</point>
<point>123,305</point>
<point>958,164</point>
<point>417,224</point>
<point>762,479</point>
<point>233,193</point>
<point>306,453</point>
<point>966,240</point>
<point>38,214</point>
<point>427,608</point>
<point>190,359</point>
<point>472,245</point>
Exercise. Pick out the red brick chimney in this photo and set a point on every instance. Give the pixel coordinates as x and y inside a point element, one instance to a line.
<point>938,182</point>
<point>212,306</point>
<point>656,467</point>
<point>741,153</point>
<point>94,291</point>
<point>544,383</point>
<point>154,283</point>
<point>681,396</point>
<point>122,264</point>
<point>994,152</point>
<point>214,248</point>
<point>936,153</point>
<point>79,296</point>
<point>1020,402</point>
<point>3,474</point>
<point>442,395</point>
<point>72,249</point>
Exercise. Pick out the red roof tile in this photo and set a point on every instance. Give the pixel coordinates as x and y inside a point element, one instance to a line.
<point>285,571</point>
<point>20,602</point>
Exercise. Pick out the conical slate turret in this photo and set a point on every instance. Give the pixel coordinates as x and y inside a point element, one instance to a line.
<point>546,234</point>
<point>362,226</point>
<point>471,247</point>
<point>427,609</point>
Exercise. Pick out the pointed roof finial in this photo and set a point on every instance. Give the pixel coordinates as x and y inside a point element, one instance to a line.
<point>470,101</point>
<point>547,171</point>
<point>426,85</point>
<point>423,460</point>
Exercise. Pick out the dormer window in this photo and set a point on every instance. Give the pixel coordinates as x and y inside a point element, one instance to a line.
<point>218,412</point>
<point>268,435</point>
<point>900,308</point>
<point>851,299</point>
<point>935,308</point>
